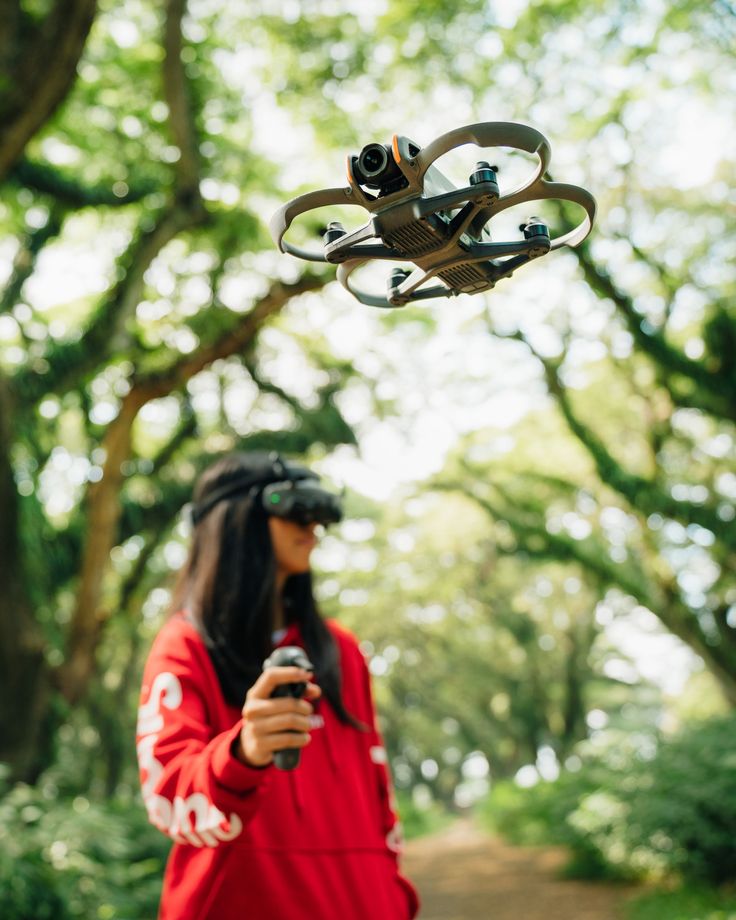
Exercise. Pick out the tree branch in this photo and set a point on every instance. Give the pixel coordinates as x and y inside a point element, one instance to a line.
<point>176,92</point>
<point>233,341</point>
<point>657,592</point>
<point>103,499</point>
<point>538,541</point>
<point>39,71</point>
<point>716,391</point>
<point>102,513</point>
<point>68,191</point>
<point>25,259</point>
<point>644,494</point>
<point>70,363</point>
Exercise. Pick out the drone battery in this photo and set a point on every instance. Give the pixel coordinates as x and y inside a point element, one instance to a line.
<point>469,278</point>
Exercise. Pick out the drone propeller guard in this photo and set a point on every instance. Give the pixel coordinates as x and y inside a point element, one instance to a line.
<point>417,215</point>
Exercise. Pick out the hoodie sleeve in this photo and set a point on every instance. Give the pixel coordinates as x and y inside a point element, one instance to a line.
<point>195,790</point>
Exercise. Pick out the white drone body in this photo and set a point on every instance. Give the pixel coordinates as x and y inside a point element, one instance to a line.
<point>417,215</point>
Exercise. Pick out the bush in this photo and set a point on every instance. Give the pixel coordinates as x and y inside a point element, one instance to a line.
<point>683,904</point>
<point>682,806</point>
<point>541,815</point>
<point>635,809</point>
<point>64,859</point>
<point>416,821</point>
<point>70,858</point>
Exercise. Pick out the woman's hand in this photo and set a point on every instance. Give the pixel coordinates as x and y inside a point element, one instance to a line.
<point>271,725</point>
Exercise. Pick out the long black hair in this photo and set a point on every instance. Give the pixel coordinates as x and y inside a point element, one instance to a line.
<point>228,583</point>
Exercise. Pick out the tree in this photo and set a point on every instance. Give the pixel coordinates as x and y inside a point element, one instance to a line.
<point>82,470</point>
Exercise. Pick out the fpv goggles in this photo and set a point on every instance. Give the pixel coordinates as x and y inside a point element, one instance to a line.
<point>288,491</point>
<point>303,501</point>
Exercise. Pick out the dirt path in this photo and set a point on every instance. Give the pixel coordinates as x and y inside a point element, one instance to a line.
<point>463,874</point>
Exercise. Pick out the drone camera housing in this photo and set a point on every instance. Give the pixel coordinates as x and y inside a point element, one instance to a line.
<point>375,167</point>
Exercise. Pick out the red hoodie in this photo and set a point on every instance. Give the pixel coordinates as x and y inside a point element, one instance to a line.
<point>315,843</point>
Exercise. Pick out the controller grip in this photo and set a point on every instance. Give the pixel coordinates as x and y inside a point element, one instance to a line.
<point>288,656</point>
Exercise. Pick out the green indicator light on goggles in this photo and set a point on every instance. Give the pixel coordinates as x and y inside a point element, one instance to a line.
<point>275,498</point>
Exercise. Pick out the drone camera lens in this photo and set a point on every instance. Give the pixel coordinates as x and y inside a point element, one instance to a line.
<point>375,167</point>
<point>373,160</point>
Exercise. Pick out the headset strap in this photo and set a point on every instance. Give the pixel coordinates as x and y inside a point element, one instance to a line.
<point>249,483</point>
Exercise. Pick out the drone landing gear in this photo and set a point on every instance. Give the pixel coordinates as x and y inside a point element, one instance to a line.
<point>417,215</point>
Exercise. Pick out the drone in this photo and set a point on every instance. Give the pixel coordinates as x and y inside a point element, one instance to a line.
<point>417,215</point>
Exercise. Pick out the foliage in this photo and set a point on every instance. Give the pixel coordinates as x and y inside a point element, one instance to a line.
<point>476,656</point>
<point>540,815</point>
<point>633,347</point>
<point>118,384</point>
<point>68,858</point>
<point>635,810</point>
<point>686,903</point>
<point>416,821</point>
<point>682,806</point>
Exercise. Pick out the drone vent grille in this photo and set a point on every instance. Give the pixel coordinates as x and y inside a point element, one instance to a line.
<point>414,239</point>
<point>467,278</point>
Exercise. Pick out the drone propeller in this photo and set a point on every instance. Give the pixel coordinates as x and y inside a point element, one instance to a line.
<point>417,215</point>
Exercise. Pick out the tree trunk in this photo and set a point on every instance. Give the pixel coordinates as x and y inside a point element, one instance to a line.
<point>38,65</point>
<point>24,675</point>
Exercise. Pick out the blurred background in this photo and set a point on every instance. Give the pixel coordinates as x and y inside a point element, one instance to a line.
<point>540,543</point>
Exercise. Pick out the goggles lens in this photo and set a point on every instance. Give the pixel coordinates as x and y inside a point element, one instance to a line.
<point>303,502</point>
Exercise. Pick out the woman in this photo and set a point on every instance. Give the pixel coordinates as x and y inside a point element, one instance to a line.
<point>252,841</point>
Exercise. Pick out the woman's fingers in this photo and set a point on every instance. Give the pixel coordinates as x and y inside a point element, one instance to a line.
<point>283,740</point>
<point>283,722</point>
<point>274,723</point>
<point>261,738</point>
<point>272,678</point>
<point>258,709</point>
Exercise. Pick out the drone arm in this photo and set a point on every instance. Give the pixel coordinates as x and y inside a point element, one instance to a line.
<point>282,219</point>
<point>406,290</point>
<point>461,221</point>
<point>480,252</point>
<point>335,250</point>
<point>363,252</point>
<point>450,200</point>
